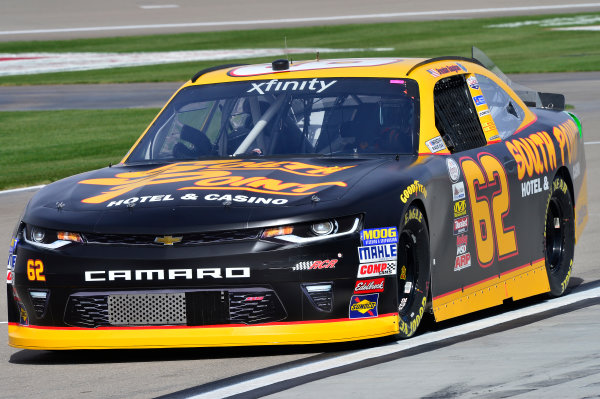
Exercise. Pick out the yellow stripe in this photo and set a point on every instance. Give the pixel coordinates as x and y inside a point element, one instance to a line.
<point>518,284</point>
<point>280,334</point>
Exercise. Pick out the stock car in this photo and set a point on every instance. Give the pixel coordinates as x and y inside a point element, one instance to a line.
<point>307,202</point>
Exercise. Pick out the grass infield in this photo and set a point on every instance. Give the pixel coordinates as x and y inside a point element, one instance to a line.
<point>43,146</point>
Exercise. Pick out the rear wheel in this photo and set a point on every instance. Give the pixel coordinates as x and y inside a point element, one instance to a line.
<point>413,271</point>
<point>559,237</point>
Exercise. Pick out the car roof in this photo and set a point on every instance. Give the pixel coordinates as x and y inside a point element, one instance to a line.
<point>414,68</point>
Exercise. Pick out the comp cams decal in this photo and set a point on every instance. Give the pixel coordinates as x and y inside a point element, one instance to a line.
<point>363,306</point>
<point>387,268</point>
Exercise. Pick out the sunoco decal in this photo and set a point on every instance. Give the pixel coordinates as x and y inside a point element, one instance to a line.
<point>216,175</point>
<point>363,306</point>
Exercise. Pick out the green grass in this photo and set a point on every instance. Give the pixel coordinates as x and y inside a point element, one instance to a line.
<point>515,50</point>
<point>43,146</point>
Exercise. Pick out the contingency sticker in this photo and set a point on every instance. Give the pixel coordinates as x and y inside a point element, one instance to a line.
<point>382,235</point>
<point>363,306</point>
<point>376,253</point>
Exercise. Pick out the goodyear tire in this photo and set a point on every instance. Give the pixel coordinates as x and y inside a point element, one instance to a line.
<point>413,271</point>
<point>559,237</point>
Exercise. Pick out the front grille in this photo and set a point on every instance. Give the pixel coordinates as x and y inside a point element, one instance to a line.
<point>192,308</point>
<point>146,309</point>
<point>87,311</point>
<point>187,239</point>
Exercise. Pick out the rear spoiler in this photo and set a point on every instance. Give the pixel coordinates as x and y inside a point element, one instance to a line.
<point>530,97</point>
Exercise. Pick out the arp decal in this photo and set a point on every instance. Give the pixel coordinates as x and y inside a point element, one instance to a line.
<point>382,235</point>
<point>316,264</point>
<point>290,85</point>
<point>376,269</point>
<point>414,188</point>
<point>488,192</point>
<point>35,270</point>
<point>369,286</point>
<point>215,175</point>
<point>376,253</point>
<point>363,306</point>
<point>462,261</point>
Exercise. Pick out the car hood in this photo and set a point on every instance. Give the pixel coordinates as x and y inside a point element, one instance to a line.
<point>152,196</point>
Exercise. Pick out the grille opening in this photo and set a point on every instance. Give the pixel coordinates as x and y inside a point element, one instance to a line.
<point>319,296</point>
<point>39,299</point>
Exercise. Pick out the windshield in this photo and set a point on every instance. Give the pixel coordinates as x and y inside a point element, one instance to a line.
<point>319,117</point>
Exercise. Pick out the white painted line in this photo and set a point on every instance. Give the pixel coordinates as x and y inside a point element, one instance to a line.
<point>309,19</point>
<point>159,6</point>
<point>31,63</point>
<point>17,190</point>
<point>584,28</point>
<point>3,322</point>
<point>399,346</point>
<point>591,142</point>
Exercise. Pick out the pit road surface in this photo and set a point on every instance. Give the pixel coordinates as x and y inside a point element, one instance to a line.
<point>556,354</point>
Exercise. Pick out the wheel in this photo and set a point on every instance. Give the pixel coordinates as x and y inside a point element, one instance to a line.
<point>559,237</point>
<point>413,271</point>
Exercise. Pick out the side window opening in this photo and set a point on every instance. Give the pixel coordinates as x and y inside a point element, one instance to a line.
<point>507,114</point>
<point>455,115</point>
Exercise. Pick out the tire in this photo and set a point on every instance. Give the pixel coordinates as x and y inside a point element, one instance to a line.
<point>413,271</point>
<point>559,237</point>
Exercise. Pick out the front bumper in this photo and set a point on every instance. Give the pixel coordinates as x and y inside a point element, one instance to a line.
<point>227,295</point>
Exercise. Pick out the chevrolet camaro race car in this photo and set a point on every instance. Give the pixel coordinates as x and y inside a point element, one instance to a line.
<point>312,202</point>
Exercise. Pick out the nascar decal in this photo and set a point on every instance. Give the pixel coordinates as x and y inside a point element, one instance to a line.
<point>363,306</point>
<point>436,144</point>
<point>215,175</point>
<point>414,188</point>
<point>253,70</point>
<point>383,235</point>
<point>316,264</point>
<point>375,253</point>
<point>369,286</point>
<point>376,269</point>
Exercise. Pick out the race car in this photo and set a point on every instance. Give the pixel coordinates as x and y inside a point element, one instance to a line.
<point>306,202</point>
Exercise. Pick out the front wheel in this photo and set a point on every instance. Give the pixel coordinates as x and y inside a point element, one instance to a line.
<point>413,271</point>
<point>559,237</point>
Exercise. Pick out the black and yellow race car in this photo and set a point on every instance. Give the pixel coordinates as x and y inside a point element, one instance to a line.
<point>306,202</point>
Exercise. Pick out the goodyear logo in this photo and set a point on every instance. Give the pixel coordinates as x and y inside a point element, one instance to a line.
<point>460,208</point>
<point>383,235</point>
<point>363,306</point>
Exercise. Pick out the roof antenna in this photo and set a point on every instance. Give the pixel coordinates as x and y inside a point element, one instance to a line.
<point>287,53</point>
<point>317,56</point>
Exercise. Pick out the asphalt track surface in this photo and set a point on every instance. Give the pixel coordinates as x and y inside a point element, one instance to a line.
<point>557,352</point>
<point>67,19</point>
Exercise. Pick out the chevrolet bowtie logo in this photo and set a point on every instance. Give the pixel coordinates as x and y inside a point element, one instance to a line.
<point>167,240</point>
